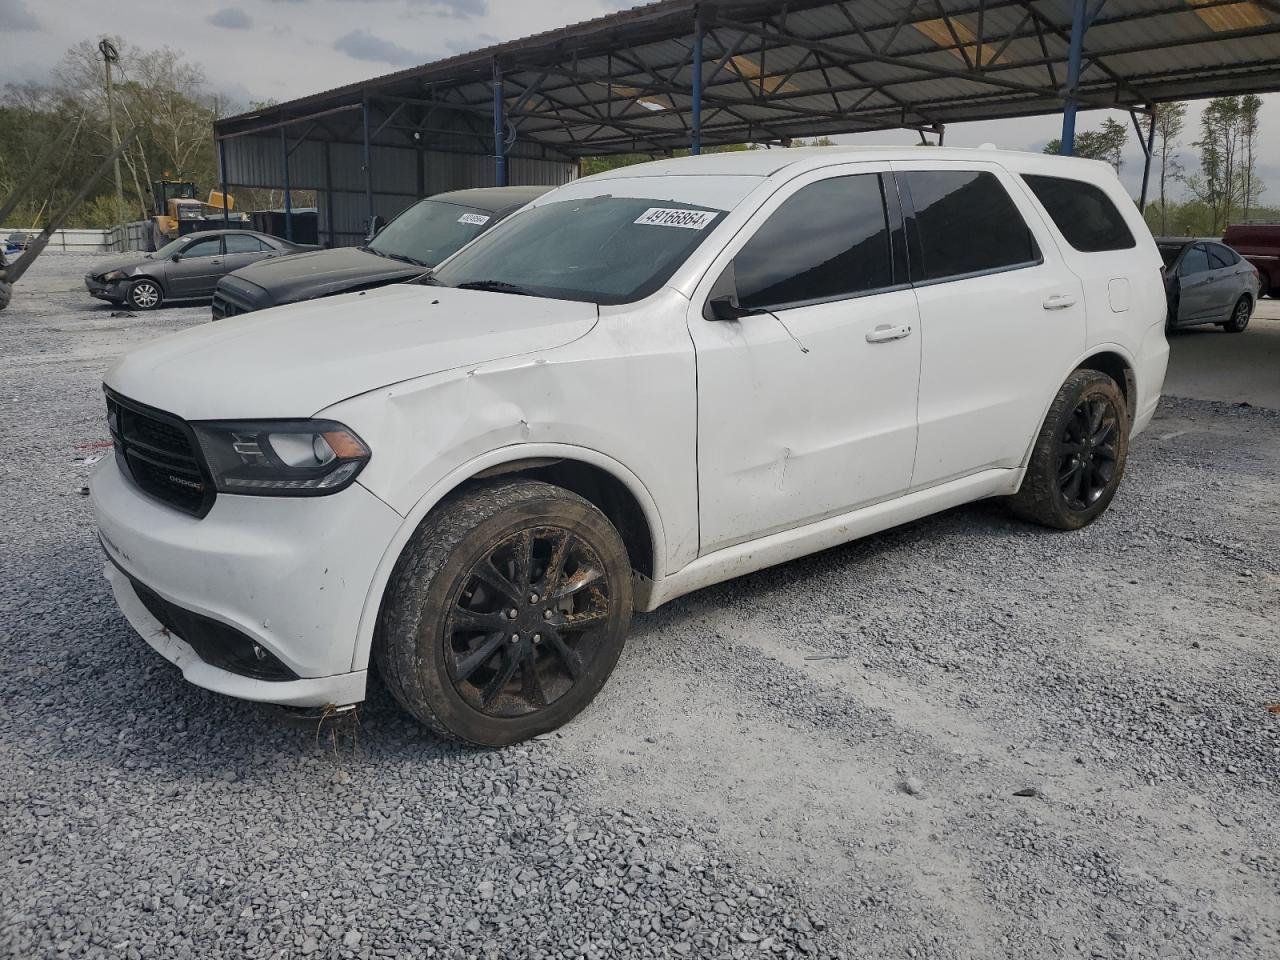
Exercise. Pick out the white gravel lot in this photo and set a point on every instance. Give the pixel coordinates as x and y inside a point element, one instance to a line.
<point>965,738</point>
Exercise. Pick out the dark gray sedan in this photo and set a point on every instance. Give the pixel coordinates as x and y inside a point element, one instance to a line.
<point>185,269</point>
<point>1207,282</point>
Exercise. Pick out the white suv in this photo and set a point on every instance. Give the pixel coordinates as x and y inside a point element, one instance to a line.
<point>645,382</point>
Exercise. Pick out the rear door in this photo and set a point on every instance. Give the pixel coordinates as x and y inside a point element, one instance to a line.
<point>242,249</point>
<point>1227,284</point>
<point>1001,316</point>
<point>197,271</point>
<point>1195,279</point>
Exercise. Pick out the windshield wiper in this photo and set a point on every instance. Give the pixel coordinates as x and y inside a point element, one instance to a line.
<point>496,286</point>
<point>397,256</point>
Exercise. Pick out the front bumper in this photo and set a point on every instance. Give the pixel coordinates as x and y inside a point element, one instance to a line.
<point>113,291</point>
<point>290,574</point>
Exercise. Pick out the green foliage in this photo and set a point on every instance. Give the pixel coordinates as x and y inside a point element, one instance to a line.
<point>156,90</point>
<point>1106,144</point>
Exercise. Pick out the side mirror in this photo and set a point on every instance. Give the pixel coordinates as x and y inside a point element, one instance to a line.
<point>176,257</point>
<point>725,307</point>
<point>376,223</point>
<point>722,303</point>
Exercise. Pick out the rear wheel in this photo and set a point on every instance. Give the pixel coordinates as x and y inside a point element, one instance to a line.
<point>1079,456</point>
<point>144,294</point>
<point>506,612</point>
<point>1239,316</point>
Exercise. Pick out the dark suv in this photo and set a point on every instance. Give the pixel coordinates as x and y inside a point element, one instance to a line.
<point>416,240</point>
<point>1259,243</point>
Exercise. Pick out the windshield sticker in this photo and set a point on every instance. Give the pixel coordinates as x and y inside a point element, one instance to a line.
<point>475,219</point>
<point>672,217</point>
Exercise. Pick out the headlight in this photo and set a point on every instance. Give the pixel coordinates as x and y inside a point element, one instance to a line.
<point>281,457</point>
<point>113,275</point>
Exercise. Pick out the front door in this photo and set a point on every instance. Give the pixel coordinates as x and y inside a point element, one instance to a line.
<point>1195,283</point>
<point>197,271</point>
<point>807,407</point>
<point>1001,317</point>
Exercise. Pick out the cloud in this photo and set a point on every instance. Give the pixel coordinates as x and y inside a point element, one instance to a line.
<point>466,44</point>
<point>363,45</point>
<point>14,15</point>
<point>230,18</point>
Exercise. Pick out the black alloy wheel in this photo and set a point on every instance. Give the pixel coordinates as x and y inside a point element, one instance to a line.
<point>506,612</point>
<point>1088,452</point>
<point>531,613</point>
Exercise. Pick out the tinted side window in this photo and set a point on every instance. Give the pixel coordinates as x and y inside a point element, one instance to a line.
<point>1194,261</point>
<point>967,224</point>
<point>1220,256</point>
<point>828,240</point>
<point>1085,215</point>
<point>209,247</point>
<point>243,243</point>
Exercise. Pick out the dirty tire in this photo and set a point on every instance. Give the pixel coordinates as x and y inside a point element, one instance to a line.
<point>144,294</point>
<point>416,646</point>
<point>1041,498</point>
<point>1240,314</point>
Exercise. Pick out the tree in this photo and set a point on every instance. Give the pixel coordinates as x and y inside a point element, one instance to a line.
<point>1250,123</point>
<point>1169,119</point>
<point>1106,144</point>
<point>1227,180</point>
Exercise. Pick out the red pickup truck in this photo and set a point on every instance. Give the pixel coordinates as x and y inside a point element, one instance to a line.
<point>1259,243</point>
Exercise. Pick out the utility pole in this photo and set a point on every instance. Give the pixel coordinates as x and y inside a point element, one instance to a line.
<point>111,55</point>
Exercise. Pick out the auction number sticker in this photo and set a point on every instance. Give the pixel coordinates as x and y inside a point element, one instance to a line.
<point>475,219</point>
<point>673,217</point>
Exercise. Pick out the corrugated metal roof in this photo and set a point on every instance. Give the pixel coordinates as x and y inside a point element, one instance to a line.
<point>809,67</point>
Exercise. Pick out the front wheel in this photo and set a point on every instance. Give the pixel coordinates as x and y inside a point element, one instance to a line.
<point>506,612</point>
<point>1239,316</point>
<point>144,294</point>
<point>1079,456</point>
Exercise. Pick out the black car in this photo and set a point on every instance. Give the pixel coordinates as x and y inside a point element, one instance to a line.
<point>416,240</point>
<point>187,268</point>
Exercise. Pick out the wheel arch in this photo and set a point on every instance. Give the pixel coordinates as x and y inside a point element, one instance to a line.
<point>618,493</point>
<point>1120,369</point>
<point>158,281</point>
<point>1109,358</point>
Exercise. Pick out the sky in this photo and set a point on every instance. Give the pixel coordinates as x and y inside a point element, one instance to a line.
<point>281,49</point>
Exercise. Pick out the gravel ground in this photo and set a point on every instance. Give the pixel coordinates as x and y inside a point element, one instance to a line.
<point>963,738</point>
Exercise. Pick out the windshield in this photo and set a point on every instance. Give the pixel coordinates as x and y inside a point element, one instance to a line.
<point>170,248</point>
<point>603,249</point>
<point>429,231</point>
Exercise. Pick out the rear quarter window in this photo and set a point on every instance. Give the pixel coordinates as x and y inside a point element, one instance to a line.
<point>1083,213</point>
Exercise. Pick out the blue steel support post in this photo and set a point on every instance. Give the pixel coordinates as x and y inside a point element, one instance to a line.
<point>1079,23</point>
<point>499,128</point>
<point>368,163</point>
<point>222,176</point>
<point>288,198</point>
<point>695,130</point>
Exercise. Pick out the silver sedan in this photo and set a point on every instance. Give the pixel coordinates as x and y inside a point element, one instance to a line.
<point>1207,282</point>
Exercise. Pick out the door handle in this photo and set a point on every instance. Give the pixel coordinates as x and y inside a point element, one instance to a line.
<point>1059,301</point>
<point>886,332</point>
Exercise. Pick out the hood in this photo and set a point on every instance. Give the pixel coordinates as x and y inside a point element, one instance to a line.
<point>294,361</point>
<point>305,276</point>
<point>126,261</point>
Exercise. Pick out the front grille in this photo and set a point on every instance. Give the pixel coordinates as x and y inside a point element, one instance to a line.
<point>214,642</point>
<point>225,304</point>
<point>159,451</point>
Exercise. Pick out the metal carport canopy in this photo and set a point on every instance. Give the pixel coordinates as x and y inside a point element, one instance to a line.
<point>681,73</point>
